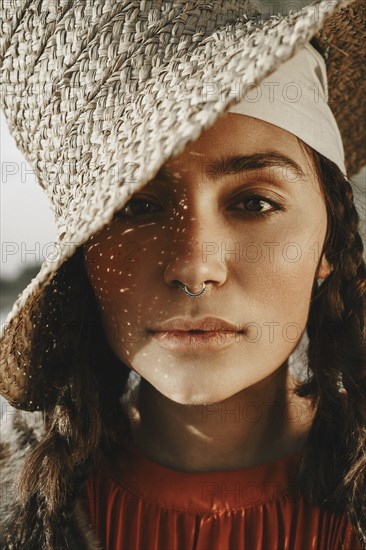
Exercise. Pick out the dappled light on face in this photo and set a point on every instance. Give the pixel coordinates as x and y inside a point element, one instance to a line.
<point>249,233</point>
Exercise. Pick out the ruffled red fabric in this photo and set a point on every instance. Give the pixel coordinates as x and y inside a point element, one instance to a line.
<point>137,504</point>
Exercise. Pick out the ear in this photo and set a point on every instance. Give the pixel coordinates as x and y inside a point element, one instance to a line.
<point>324,269</point>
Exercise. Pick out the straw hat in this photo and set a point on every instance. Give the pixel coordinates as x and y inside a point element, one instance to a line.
<point>98,94</point>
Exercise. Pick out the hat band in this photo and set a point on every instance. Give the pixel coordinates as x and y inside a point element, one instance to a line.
<point>295,97</point>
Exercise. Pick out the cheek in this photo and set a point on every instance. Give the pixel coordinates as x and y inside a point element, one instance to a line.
<point>277,277</point>
<point>118,270</point>
<point>112,267</point>
<point>286,293</point>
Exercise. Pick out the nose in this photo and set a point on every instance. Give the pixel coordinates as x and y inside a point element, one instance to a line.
<point>197,260</point>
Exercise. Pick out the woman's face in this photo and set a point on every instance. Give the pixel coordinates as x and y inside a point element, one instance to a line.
<point>252,230</point>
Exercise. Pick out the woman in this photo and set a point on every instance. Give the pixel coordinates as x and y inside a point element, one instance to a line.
<point>247,234</point>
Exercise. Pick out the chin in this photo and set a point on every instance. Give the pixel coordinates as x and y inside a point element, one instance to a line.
<point>191,397</point>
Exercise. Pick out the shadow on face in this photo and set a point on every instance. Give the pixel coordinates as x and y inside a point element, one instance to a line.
<point>240,209</point>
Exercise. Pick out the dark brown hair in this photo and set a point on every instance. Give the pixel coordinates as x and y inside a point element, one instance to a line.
<point>334,460</point>
<point>88,380</point>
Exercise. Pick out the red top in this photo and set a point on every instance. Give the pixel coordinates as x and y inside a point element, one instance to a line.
<point>138,504</point>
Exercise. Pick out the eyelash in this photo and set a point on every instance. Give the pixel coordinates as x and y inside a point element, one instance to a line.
<point>274,210</point>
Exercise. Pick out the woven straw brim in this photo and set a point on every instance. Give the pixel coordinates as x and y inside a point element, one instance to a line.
<point>345,33</point>
<point>98,144</point>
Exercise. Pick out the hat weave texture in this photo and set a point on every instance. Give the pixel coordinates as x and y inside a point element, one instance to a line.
<point>99,94</point>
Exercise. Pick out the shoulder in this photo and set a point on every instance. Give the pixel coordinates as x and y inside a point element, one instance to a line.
<point>20,431</point>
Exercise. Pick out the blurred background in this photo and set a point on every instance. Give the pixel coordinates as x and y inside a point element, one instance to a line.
<point>27,224</point>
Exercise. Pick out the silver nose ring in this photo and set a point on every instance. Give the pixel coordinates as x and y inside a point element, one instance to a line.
<point>192,294</point>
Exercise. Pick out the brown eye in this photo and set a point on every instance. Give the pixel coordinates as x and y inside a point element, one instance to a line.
<point>137,207</point>
<point>258,205</point>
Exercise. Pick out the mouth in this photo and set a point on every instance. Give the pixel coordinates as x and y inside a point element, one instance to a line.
<point>199,326</point>
<point>196,331</point>
<point>197,341</point>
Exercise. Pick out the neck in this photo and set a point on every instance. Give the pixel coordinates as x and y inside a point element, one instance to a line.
<point>254,426</point>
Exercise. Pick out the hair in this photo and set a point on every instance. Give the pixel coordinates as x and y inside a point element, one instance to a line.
<point>334,458</point>
<point>88,420</point>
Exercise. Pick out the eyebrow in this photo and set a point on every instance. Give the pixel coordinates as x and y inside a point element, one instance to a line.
<point>239,164</point>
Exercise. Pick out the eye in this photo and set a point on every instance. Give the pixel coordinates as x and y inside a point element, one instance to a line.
<point>256,203</point>
<point>136,207</point>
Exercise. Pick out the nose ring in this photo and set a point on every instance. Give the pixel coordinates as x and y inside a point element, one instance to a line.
<point>192,294</point>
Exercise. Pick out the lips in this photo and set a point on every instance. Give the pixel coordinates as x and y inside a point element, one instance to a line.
<point>198,326</point>
<point>196,336</point>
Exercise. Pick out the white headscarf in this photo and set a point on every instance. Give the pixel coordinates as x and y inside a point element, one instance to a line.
<point>295,98</point>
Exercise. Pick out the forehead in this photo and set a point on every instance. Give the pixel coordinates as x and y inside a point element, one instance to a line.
<point>236,144</point>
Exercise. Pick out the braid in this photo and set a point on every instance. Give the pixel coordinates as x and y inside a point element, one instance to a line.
<point>85,420</point>
<point>87,417</point>
<point>336,445</point>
